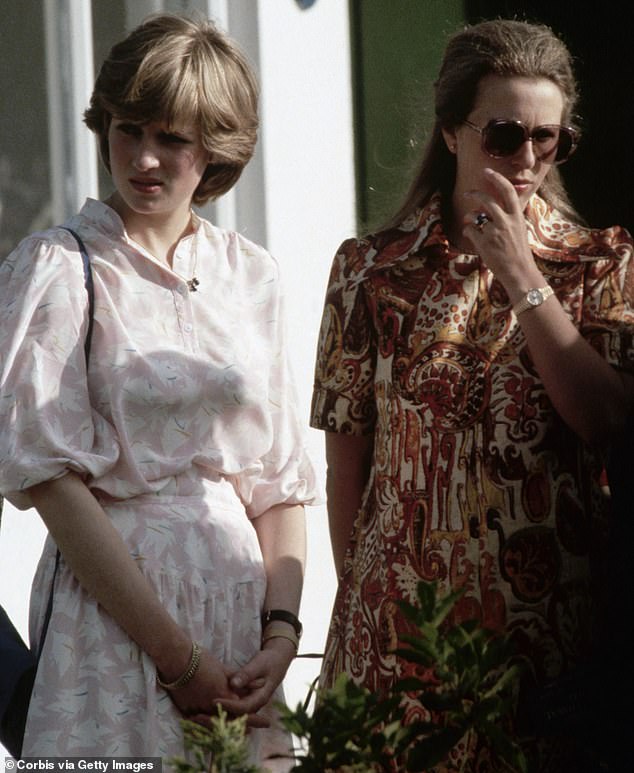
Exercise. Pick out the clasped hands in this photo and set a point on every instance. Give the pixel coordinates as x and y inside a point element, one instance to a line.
<point>244,691</point>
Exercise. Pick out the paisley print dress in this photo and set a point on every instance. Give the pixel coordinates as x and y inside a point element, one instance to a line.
<point>476,482</point>
<point>185,427</point>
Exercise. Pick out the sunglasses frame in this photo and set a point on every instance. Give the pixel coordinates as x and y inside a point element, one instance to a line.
<point>528,135</point>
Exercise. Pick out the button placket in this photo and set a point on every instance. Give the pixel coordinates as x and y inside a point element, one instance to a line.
<point>183,305</point>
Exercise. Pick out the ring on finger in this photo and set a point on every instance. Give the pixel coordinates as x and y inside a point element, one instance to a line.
<point>480,220</point>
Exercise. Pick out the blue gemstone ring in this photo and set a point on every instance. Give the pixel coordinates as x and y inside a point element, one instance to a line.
<point>480,220</point>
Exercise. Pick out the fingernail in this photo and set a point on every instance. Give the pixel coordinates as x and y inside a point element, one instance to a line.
<point>236,681</point>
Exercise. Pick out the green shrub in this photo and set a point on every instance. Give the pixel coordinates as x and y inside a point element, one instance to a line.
<point>467,689</point>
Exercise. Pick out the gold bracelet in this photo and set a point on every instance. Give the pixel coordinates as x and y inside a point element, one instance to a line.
<point>188,673</point>
<point>282,630</point>
<point>290,636</point>
<point>281,625</point>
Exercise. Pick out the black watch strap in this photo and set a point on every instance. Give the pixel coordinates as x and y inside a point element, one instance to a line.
<point>282,614</point>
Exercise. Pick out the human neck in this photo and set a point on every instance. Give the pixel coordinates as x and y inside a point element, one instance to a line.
<point>158,234</point>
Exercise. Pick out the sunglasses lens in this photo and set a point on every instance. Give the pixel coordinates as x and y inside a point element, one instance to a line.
<point>565,145</point>
<point>503,139</point>
<point>551,143</point>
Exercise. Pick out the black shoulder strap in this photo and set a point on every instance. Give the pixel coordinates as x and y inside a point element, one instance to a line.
<point>90,289</point>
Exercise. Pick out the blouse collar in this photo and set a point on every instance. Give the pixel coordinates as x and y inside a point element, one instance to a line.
<point>109,222</point>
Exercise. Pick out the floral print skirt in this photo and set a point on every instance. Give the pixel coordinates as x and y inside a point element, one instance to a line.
<point>96,693</point>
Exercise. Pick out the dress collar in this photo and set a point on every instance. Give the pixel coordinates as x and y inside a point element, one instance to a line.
<point>551,235</point>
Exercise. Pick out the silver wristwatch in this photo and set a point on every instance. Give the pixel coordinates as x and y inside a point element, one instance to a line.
<point>533,298</point>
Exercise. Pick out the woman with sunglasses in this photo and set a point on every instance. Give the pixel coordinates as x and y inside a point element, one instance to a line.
<point>472,366</point>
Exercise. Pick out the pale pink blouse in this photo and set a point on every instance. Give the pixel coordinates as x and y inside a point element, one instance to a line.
<point>180,384</point>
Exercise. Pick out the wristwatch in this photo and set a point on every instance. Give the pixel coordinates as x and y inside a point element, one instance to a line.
<point>282,614</point>
<point>533,298</point>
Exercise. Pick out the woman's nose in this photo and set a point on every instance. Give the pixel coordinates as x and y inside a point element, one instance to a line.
<point>525,156</point>
<point>146,156</point>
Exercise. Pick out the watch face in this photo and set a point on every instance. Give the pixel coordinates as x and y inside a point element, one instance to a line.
<point>534,297</point>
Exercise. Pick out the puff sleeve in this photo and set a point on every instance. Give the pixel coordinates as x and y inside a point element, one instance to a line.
<point>283,473</point>
<point>47,426</point>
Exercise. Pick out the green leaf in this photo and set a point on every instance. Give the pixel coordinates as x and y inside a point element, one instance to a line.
<point>505,748</point>
<point>433,749</point>
<point>422,656</point>
<point>440,701</point>
<point>411,684</point>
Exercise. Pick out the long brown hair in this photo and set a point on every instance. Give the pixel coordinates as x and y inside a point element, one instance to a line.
<point>499,47</point>
<point>175,69</point>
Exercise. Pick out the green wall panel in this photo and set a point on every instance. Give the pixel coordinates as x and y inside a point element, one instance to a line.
<point>397,46</point>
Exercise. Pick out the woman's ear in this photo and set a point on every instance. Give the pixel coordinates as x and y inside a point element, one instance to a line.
<point>449,136</point>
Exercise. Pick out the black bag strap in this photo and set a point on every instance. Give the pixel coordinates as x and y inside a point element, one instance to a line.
<point>90,289</point>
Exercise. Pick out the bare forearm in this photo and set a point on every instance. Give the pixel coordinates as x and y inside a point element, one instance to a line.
<point>101,562</point>
<point>349,462</point>
<point>591,396</point>
<point>282,536</point>
<point>344,501</point>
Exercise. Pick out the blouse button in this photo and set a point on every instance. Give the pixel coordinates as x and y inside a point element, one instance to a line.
<point>188,327</point>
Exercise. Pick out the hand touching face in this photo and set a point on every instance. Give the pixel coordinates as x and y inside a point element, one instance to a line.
<point>534,102</point>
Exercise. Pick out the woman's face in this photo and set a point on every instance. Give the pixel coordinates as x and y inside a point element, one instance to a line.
<point>533,101</point>
<point>156,169</point>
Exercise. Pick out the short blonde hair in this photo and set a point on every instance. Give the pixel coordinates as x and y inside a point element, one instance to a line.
<point>174,69</point>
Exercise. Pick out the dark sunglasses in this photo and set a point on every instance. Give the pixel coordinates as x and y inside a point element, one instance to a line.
<point>552,143</point>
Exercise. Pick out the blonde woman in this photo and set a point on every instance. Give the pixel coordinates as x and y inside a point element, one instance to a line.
<point>171,473</point>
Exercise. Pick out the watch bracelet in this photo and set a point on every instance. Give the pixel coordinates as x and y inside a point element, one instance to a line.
<point>525,305</point>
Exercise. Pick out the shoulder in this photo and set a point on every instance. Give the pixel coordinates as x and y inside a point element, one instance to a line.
<point>237,254</point>
<point>555,237</point>
<point>41,256</point>
<point>358,259</point>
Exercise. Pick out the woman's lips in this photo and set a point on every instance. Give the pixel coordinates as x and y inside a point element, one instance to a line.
<point>146,186</point>
<point>521,186</point>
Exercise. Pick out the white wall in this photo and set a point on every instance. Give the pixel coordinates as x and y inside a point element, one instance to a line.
<point>307,157</point>
<point>310,207</point>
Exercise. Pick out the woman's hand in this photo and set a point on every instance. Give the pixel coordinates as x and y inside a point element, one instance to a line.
<point>101,562</point>
<point>210,688</point>
<point>259,678</point>
<point>209,684</point>
<point>502,241</point>
<point>592,397</point>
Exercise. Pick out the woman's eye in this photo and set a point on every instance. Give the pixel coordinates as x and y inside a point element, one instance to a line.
<point>129,128</point>
<point>174,138</point>
<point>545,135</point>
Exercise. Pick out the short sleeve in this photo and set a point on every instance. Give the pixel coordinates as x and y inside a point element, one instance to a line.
<point>46,422</point>
<point>284,473</point>
<point>607,317</point>
<point>343,395</point>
